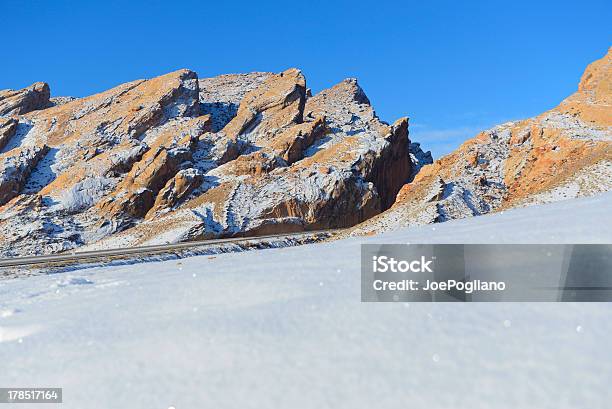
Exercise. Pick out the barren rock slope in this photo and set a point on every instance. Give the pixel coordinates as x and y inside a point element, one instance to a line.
<point>34,97</point>
<point>179,158</point>
<point>560,154</point>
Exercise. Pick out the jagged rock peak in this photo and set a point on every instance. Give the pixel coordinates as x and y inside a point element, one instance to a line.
<point>177,158</point>
<point>561,154</point>
<point>592,103</point>
<point>349,90</point>
<point>221,95</point>
<point>597,78</point>
<point>18,102</point>
<point>281,97</point>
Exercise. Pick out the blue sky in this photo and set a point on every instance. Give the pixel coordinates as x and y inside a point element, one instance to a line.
<point>453,67</point>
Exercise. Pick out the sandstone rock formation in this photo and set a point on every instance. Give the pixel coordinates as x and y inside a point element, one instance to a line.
<point>8,126</point>
<point>15,168</point>
<point>34,97</point>
<point>563,153</point>
<point>303,163</point>
<point>180,158</point>
<point>220,96</point>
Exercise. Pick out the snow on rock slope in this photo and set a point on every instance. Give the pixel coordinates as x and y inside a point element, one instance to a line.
<point>286,328</point>
<point>179,158</point>
<point>15,102</point>
<point>563,153</point>
<point>220,96</point>
<point>419,159</point>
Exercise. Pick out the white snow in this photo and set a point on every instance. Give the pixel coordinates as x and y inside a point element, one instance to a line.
<point>84,194</point>
<point>575,128</point>
<point>286,328</point>
<point>22,136</point>
<point>220,96</point>
<point>43,173</point>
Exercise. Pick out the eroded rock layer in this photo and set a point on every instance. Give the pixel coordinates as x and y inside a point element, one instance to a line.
<point>179,158</point>
<point>563,153</point>
<point>22,101</point>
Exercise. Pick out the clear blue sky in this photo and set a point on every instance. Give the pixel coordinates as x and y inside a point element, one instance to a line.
<point>453,67</point>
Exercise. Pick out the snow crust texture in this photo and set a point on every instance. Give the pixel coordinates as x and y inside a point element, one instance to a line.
<point>286,328</point>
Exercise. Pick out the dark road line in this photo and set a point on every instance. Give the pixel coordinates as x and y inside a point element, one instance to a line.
<point>153,249</point>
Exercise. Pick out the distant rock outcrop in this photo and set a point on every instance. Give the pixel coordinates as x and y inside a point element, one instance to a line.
<point>560,154</point>
<point>220,96</point>
<point>179,158</point>
<point>16,167</point>
<point>25,100</point>
<point>300,163</point>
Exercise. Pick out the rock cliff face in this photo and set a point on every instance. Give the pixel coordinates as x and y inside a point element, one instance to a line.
<point>8,126</point>
<point>561,154</point>
<point>180,158</point>
<point>220,96</point>
<point>34,97</point>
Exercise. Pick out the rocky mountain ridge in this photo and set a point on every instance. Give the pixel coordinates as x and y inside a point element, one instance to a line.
<point>561,154</point>
<point>179,158</point>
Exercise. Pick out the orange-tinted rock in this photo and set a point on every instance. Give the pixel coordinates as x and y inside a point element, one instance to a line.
<point>388,170</point>
<point>592,102</point>
<point>256,164</point>
<point>136,194</point>
<point>220,96</point>
<point>18,102</point>
<point>15,167</point>
<point>278,102</point>
<point>292,142</point>
<point>124,111</point>
<point>139,164</point>
<point>176,189</point>
<point>596,83</point>
<point>563,153</point>
<point>8,126</point>
<point>326,162</point>
<point>93,143</point>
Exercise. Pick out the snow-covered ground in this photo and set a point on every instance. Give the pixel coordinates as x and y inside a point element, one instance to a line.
<point>286,328</point>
